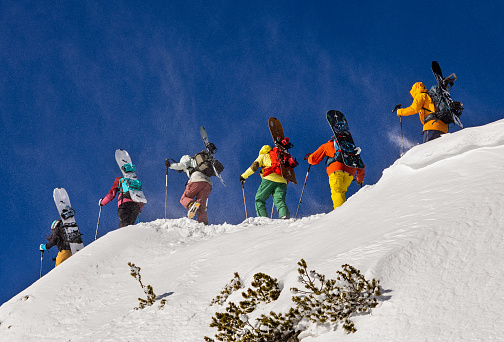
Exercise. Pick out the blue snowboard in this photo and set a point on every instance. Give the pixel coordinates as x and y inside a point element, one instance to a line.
<point>343,138</point>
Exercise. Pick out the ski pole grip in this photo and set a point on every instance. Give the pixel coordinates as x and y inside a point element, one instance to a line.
<point>396,108</point>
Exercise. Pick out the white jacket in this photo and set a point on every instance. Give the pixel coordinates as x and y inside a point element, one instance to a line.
<point>188,164</point>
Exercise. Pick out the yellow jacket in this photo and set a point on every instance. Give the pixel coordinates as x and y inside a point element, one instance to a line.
<point>264,161</point>
<point>423,105</point>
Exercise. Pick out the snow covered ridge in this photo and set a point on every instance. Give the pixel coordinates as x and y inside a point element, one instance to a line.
<point>454,144</point>
<point>430,230</point>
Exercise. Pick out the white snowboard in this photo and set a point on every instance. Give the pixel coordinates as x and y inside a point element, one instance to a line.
<point>66,212</point>
<point>122,157</point>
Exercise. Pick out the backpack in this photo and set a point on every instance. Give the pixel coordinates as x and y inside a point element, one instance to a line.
<point>204,164</point>
<point>279,156</point>
<point>128,184</point>
<point>442,109</point>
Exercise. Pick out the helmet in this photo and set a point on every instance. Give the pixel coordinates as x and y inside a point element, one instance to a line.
<point>186,159</point>
<point>55,224</point>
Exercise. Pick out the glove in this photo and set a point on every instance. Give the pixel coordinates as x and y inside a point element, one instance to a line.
<point>396,109</point>
<point>43,248</point>
<point>99,202</point>
<point>167,162</point>
<point>361,183</point>
<point>242,180</point>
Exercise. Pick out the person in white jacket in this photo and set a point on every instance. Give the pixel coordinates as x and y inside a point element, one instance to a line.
<point>197,190</point>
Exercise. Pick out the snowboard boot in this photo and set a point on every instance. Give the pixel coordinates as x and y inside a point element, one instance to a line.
<point>192,208</point>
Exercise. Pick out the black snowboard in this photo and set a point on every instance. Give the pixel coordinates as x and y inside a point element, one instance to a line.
<point>344,140</point>
<point>445,85</point>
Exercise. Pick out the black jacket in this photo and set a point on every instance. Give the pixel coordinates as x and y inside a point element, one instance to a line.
<point>58,238</point>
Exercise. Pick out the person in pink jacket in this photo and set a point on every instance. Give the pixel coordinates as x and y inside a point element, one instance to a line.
<point>127,209</point>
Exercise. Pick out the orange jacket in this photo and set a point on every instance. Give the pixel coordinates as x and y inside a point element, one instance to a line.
<point>327,150</point>
<point>423,105</point>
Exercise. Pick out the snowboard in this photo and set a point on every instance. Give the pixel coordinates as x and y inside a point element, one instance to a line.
<point>277,131</point>
<point>122,158</point>
<point>67,215</point>
<point>349,152</point>
<point>445,85</point>
<point>211,149</point>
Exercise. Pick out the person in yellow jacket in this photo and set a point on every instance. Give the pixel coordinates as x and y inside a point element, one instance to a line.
<point>340,175</point>
<point>423,105</point>
<point>272,183</point>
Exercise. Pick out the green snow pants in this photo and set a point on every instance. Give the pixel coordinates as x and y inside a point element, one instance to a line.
<point>266,189</point>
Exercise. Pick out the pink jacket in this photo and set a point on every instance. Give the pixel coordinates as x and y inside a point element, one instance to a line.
<point>121,199</point>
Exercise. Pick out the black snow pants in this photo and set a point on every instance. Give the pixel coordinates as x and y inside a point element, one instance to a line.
<point>128,212</point>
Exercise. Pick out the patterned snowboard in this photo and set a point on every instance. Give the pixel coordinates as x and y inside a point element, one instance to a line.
<point>343,137</point>
<point>67,215</point>
<point>443,85</point>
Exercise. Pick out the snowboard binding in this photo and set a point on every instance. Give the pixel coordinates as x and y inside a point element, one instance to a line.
<point>211,148</point>
<point>283,143</point>
<point>128,168</point>
<point>67,213</point>
<point>448,81</point>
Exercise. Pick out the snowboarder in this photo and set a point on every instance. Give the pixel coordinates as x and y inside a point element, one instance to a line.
<point>127,210</point>
<point>423,105</point>
<point>272,182</point>
<point>340,175</point>
<point>197,190</point>
<point>58,239</point>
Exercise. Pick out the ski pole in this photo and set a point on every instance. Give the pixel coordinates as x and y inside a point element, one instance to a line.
<point>272,208</point>
<point>402,138</point>
<point>166,190</point>
<point>306,178</point>
<point>41,260</point>
<point>400,121</point>
<point>98,224</point>
<point>244,202</point>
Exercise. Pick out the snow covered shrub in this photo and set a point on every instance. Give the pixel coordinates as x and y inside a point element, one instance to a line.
<point>334,300</point>
<point>234,285</point>
<point>151,296</point>
<point>234,324</point>
<point>323,301</point>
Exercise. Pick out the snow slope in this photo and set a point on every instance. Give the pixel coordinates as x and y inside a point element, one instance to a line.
<point>431,230</point>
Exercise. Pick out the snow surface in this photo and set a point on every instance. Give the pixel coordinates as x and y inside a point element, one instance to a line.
<point>431,230</point>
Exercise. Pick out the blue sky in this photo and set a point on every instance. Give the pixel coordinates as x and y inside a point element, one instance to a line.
<point>79,80</point>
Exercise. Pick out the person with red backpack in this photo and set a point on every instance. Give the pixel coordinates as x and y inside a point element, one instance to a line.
<point>340,175</point>
<point>272,183</point>
<point>127,209</point>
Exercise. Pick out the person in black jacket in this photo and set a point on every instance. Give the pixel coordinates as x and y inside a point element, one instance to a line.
<point>58,238</point>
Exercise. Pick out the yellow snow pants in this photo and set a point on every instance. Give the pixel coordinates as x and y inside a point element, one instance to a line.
<point>339,181</point>
<point>62,256</point>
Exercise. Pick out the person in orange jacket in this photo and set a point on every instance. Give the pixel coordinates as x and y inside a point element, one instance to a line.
<point>340,175</point>
<point>423,105</point>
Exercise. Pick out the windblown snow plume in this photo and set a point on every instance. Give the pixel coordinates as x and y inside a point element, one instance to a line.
<point>399,141</point>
